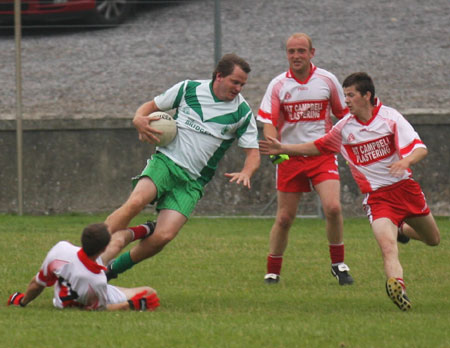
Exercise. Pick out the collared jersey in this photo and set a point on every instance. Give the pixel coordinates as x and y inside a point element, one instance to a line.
<point>370,148</point>
<point>301,109</point>
<point>207,126</point>
<point>78,281</point>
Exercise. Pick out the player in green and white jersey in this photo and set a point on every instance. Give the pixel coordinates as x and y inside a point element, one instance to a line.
<point>210,115</point>
<point>207,126</point>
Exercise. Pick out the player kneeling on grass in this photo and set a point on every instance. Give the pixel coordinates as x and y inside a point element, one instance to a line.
<point>380,146</point>
<point>79,279</point>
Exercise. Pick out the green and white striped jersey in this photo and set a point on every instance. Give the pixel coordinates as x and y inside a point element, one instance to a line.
<point>206,125</point>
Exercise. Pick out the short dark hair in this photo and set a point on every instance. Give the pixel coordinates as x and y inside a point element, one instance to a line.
<point>363,83</point>
<point>95,238</point>
<point>226,65</point>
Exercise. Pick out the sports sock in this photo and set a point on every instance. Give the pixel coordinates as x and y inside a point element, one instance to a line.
<point>122,263</point>
<point>337,253</point>
<point>274,263</point>
<point>139,232</point>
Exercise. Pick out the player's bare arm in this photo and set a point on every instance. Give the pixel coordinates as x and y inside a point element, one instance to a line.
<point>141,121</point>
<point>34,290</point>
<point>251,164</point>
<point>270,130</point>
<point>272,146</point>
<point>398,168</point>
<point>140,301</point>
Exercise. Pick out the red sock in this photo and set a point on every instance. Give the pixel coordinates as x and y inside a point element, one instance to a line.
<point>139,232</point>
<point>336,253</point>
<point>274,263</point>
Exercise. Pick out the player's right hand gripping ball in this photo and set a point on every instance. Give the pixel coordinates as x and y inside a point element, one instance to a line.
<point>277,159</point>
<point>15,299</point>
<point>165,124</point>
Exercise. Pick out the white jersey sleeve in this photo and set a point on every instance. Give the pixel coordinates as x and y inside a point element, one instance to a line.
<point>171,98</point>
<point>269,110</point>
<point>408,138</point>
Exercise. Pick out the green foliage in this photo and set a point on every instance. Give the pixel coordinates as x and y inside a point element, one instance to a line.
<point>210,282</point>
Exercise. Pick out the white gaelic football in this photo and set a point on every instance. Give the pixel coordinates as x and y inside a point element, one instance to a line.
<point>165,124</point>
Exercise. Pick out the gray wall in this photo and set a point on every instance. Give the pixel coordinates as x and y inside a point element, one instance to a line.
<point>85,165</point>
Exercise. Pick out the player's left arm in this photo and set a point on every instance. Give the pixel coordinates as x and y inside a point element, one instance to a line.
<point>123,306</point>
<point>410,146</point>
<point>399,167</point>
<point>142,301</point>
<point>272,146</point>
<point>251,164</point>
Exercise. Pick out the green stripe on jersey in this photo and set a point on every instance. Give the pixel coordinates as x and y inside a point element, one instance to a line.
<point>233,117</point>
<point>177,100</point>
<point>241,130</point>
<point>191,97</point>
<point>217,100</point>
<point>208,171</point>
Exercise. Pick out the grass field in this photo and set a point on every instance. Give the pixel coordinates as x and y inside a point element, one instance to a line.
<point>209,280</point>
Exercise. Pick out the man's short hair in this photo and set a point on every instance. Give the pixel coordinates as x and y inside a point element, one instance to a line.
<point>298,36</point>
<point>227,63</point>
<point>363,83</point>
<point>95,238</point>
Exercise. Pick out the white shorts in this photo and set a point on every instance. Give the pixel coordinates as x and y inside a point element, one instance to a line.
<point>115,295</point>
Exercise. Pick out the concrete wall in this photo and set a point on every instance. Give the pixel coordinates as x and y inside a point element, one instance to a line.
<point>85,165</point>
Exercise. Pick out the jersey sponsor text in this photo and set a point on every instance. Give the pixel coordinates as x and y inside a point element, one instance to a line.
<point>305,111</point>
<point>372,151</point>
<point>196,126</point>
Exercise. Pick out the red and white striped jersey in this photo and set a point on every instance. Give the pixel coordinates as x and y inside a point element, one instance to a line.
<point>78,280</point>
<point>370,148</point>
<point>301,109</point>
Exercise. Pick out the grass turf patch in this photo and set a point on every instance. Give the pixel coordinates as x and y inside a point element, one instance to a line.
<point>210,282</point>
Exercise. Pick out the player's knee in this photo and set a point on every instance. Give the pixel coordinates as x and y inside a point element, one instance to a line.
<point>389,248</point>
<point>162,237</point>
<point>434,240</point>
<point>117,242</point>
<point>332,210</point>
<point>284,221</point>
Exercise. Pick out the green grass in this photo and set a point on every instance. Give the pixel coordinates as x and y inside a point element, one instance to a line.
<point>209,280</point>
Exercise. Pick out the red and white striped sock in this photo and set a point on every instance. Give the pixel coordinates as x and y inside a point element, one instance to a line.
<point>139,232</point>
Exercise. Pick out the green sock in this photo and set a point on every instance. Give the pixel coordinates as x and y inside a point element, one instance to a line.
<point>123,263</point>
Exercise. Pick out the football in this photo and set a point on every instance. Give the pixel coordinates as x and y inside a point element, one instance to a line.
<point>165,124</point>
